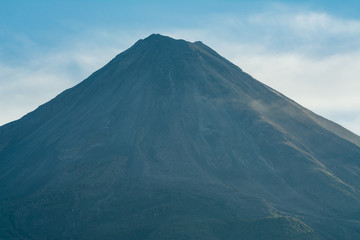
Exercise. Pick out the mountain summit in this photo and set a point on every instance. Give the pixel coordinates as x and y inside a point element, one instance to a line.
<point>170,140</point>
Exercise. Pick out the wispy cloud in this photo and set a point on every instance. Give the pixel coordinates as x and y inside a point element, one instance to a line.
<point>312,22</point>
<point>328,86</point>
<point>321,22</point>
<point>28,84</point>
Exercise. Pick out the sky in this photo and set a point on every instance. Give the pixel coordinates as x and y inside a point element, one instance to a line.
<point>308,50</point>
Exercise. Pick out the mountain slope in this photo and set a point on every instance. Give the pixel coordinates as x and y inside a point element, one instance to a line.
<point>171,141</point>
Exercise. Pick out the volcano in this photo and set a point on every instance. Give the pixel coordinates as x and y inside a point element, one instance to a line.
<point>170,140</point>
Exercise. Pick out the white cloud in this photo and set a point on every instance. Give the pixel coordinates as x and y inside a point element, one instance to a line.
<point>24,87</point>
<point>323,22</point>
<point>309,21</point>
<point>328,86</point>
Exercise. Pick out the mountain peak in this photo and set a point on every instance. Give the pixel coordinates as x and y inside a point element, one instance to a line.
<point>158,41</point>
<point>157,37</point>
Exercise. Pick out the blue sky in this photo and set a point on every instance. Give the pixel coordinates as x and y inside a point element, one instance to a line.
<point>308,50</point>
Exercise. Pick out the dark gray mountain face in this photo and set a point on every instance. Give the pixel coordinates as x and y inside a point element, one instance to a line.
<point>171,141</point>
